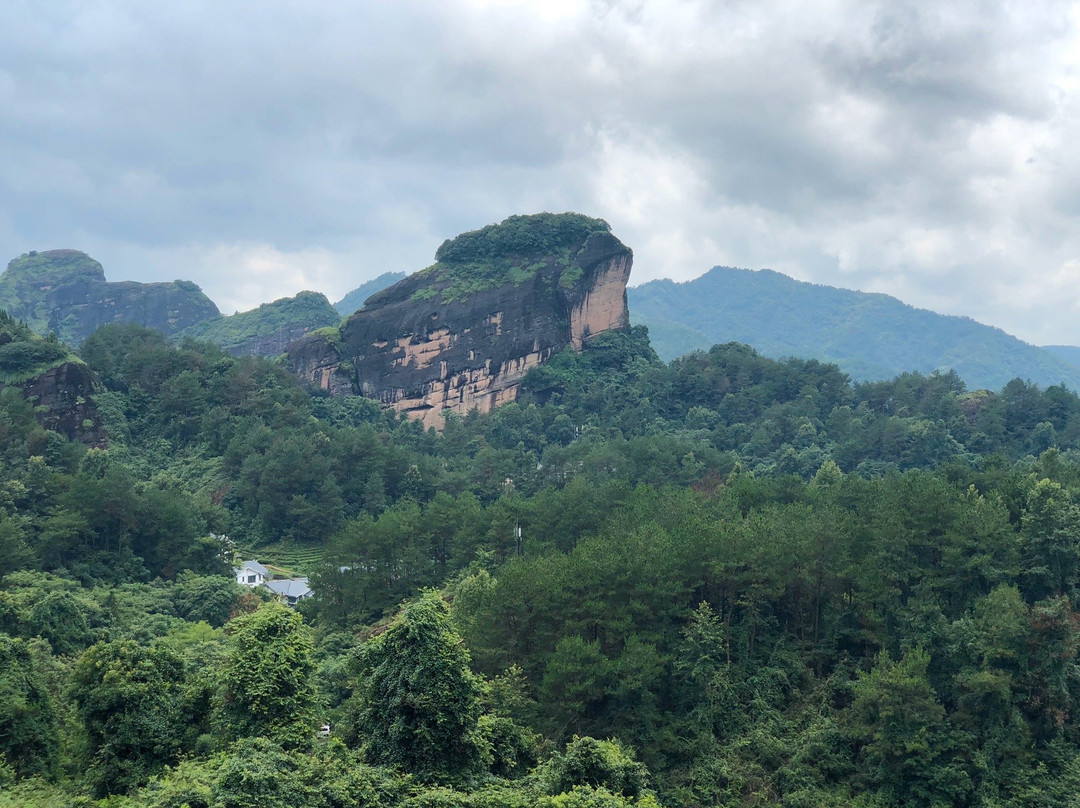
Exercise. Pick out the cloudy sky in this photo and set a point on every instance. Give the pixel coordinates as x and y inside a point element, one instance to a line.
<point>926,149</point>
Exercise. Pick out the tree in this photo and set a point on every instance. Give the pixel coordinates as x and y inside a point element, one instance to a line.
<point>267,682</point>
<point>1051,524</point>
<point>600,764</point>
<point>261,774</point>
<point>206,597</point>
<point>127,698</point>
<point>28,728</point>
<point>418,702</point>
<point>901,724</point>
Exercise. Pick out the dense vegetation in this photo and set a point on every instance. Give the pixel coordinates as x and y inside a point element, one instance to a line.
<point>511,252</point>
<point>290,316</point>
<point>24,355</point>
<point>869,336</point>
<point>726,580</point>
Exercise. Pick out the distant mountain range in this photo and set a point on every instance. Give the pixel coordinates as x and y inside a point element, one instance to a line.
<point>870,336</point>
<point>65,292</point>
<point>354,301</point>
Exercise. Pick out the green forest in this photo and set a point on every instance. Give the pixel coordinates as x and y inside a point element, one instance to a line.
<point>237,333</point>
<point>720,581</point>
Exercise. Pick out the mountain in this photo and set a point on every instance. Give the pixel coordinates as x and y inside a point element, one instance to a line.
<point>65,292</point>
<point>268,329</point>
<point>870,336</point>
<point>464,332</point>
<point>1066,353</point>
<point>355,299</point>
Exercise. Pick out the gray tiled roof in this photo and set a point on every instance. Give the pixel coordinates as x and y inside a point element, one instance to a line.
<point>289,587</point>
<point>254,566</point>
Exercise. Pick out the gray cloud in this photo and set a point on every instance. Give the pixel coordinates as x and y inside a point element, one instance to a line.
<point>921,149</point>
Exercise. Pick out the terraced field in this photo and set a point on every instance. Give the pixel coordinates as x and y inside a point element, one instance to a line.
<point>285,560</point>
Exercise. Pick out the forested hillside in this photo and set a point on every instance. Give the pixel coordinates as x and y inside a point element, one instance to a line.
<point>870,336</point>
<point>727,580</point>
<point>268,329</point>
<point>1067,353</point>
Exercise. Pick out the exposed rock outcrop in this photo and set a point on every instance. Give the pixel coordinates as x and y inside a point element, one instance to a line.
<point>463,333</point>
<point>55,381</point>
<point>65,291</point>
<point>63,396</point>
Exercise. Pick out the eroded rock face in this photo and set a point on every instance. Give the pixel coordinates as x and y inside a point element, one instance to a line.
<point>77,310</point>
<point>63,396</point>
<point>415,351</point>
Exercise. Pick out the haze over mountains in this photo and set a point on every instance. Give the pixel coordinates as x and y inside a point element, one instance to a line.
<point>354,300</point>
<point>869,336</point>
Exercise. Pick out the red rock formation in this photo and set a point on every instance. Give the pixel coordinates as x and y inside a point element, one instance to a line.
<point>421,355</point>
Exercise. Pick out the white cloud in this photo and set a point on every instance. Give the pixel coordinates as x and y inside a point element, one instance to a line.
<point>922,149</point>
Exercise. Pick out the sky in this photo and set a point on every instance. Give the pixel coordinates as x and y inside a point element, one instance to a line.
<point>924,149</point>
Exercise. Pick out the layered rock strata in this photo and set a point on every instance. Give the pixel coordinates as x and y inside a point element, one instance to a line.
<point>450,338</point>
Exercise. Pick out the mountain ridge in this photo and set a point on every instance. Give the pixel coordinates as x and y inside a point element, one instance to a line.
<point>268,329</point>
<point>65,292</point>
<point>870,335</point>
<point>354,300</point>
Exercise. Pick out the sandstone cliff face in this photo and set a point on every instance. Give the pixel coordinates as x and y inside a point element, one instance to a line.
<point>448,338</point>
<point>65,291</point>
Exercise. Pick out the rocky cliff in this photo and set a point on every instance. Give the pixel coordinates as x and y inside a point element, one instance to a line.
<point>65,291</point>
<point>268,329</point>
<point>462,333</point>
<point>58,384</point>
<point>63,396</point>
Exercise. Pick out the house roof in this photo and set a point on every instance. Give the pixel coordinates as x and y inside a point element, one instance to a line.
<point>289,587</point>
<point>254,566</point>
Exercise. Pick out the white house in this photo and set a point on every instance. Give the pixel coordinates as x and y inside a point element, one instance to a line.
<point>251,573</point>
<point>290,590</point>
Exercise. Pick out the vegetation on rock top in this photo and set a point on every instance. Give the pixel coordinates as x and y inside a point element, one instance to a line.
<point>27,278</point>
<point>511,252</point>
